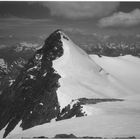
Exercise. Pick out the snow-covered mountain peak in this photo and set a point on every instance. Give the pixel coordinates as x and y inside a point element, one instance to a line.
<point>80,75</point>
<point>71,52</point>
<point>57,75</point>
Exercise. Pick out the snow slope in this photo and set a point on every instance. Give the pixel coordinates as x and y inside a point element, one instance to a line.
<point>81,76</point>
<point>124,68</point>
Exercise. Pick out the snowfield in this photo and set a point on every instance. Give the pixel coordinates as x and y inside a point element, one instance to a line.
<point>124,68</point>
<point>94,77</point>
<point>101,125</point>
<point>108,119</point>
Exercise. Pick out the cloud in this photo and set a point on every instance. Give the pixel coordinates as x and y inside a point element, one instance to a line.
<point>81,10</point>
<point>121,19</point>
<point>23,9</point>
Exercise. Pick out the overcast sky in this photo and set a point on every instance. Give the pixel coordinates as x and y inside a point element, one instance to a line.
<point>84,18</point>
<point>94,11</point>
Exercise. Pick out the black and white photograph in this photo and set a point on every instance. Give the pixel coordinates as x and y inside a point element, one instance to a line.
<point>70,69</point>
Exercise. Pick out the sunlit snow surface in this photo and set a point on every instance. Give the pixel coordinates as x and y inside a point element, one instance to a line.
<point>124,68</point>
<point>108,119</point>
<point>81,76</point>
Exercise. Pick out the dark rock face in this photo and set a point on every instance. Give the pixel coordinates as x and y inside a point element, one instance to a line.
<point>14,59</point>
<point>84,101</point>
<point>71,111</point>
<point>63,136</point>
<point>32,97</point>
